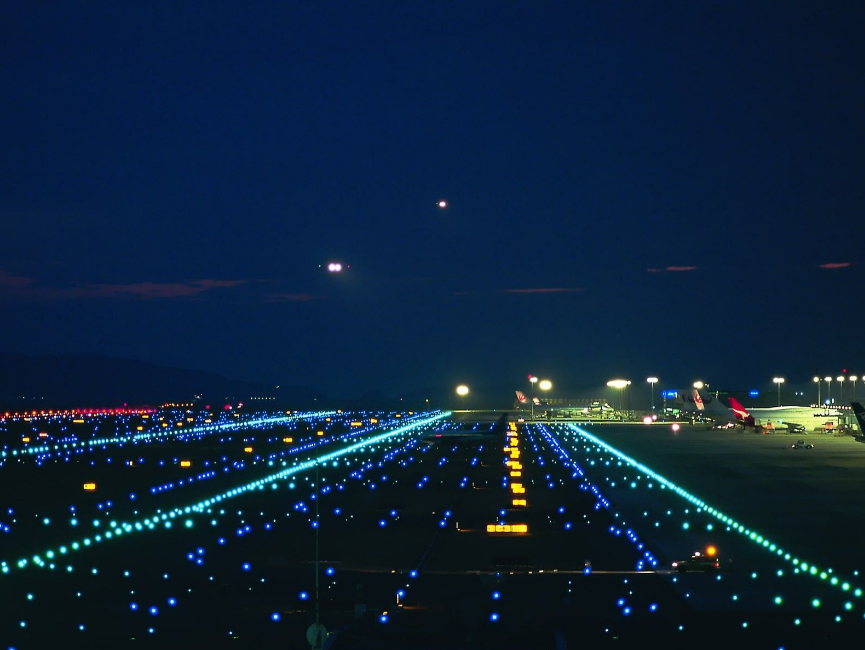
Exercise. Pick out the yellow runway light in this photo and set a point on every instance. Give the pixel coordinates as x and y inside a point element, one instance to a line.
<point>288,439</point>
<point>519,502</point>
<point>515,473</point>
<point>90,487</point>
<point>248,450</point>
<point>186,463</point>
<point>518,529</point>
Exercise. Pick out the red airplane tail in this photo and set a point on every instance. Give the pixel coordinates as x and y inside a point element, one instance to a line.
<point>741,413</point>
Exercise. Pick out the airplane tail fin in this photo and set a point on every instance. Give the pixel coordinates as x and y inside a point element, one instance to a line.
<point>741,413</point>
<point>860,416</point>
<point>521,397</point>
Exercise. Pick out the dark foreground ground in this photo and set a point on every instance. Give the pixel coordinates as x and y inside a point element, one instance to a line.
<point>404,557</point>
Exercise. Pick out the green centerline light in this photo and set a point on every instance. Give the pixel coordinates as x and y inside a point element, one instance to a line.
<point>149,523</point>
<point>806,567</point>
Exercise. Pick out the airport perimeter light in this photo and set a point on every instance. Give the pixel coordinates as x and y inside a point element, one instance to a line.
<point>817,381</point>
<point>840,380</point>
<point>533,380</point>
<point>462,391</point>
<point>853,378</point>
<point>698,384</point>
<point>779,381</point>
<point>828,381</point>
<point>652,381</point>
<point>618,384</point>
<point>545,384</point>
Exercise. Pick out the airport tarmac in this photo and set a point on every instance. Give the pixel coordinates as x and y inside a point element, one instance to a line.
<point>404,555</point>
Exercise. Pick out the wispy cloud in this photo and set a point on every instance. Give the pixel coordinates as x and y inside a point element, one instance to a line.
<point>26,288</point>
<point>150,290</point>
<point>9,280</point>
<point>672,269</point>
<point>834,265</point>
<point>289,297</point>
<point>546,290</point>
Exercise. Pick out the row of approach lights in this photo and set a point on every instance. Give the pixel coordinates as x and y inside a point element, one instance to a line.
<point>515,470</point>
<point>246,566</point>
<point>91,487</point>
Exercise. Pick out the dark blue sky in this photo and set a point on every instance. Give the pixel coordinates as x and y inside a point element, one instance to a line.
<point>635,188</point>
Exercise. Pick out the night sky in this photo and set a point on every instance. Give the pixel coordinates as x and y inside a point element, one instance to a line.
<point>671,189</point>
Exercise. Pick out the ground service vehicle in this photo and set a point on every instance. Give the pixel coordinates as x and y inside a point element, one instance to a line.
<point>698,563</point>
<point>801,444</point>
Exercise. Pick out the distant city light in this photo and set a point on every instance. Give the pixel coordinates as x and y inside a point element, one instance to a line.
<point>334,267</point>
<point>442,204</point>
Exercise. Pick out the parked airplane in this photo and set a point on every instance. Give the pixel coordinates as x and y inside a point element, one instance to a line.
<point>742,415</point>
<point>860,416</point>
<point>797,419</point>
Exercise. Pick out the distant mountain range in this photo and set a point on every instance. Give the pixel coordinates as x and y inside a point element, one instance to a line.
<point>92,381</point>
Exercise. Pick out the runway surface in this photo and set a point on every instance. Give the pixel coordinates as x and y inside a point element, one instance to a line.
<point>203,530</point>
